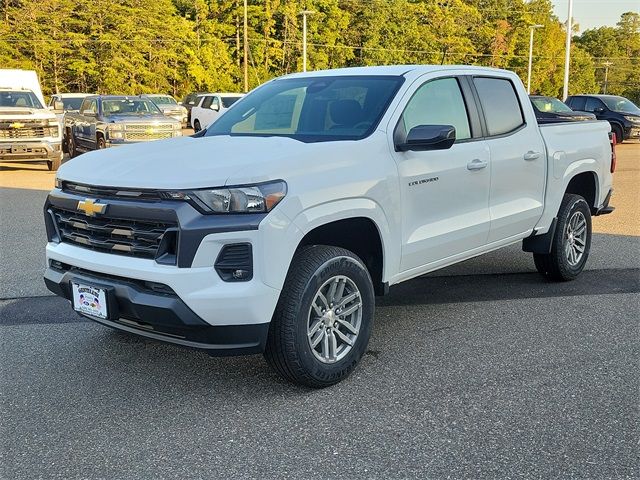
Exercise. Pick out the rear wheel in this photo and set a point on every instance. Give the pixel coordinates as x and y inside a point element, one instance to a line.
<point>571,242</point>
<point>323,320</point>
<point>196,126</point>
<point>619,134</point>
<point>101,142</point>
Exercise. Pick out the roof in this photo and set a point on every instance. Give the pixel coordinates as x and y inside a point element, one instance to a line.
<point>226,94</point>
<point>71,95</point>
<point>595,95</point>
<point>392,70</point>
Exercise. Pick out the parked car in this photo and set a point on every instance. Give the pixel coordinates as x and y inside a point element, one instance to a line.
<point>188,102</point>
<point>210,106</point>
<point>621,113</point>
<point>29,132</point>
<point>552,110</point>
<point>109,120</point>
<point>168,105</point>
<point>273,230</point>
<point>70,101</point>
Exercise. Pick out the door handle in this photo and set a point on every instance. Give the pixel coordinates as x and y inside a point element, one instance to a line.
<point>531,155</point>
<point>477,164</point>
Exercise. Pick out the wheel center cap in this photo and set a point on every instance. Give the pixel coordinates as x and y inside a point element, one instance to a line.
<point>329,318</point>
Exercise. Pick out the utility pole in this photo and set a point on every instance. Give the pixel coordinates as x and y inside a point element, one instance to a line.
<point>606,74</point>
<point>531,29</point>
<point>246,51</point>
<point>567,53</point>
<point>304,14</point>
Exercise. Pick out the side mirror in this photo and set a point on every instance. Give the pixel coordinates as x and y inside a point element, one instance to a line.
<point>215,106</point>
<point>598,110</point>
<point>58,106</point>
<point>429,137</point>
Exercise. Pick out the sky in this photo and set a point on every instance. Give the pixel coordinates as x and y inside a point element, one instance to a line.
<point>595,13</point>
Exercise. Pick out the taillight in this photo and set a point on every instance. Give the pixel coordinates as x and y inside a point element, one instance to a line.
<point>612,138</point>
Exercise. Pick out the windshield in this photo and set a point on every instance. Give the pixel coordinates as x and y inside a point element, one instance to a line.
<point>550,104</point>
<point>311,109</point>
<point>166,100</point>
<point>72,103</point>
<point>19,99</point>
<point>129,106</point>
<point>228,101</point>
<point>621,104</point>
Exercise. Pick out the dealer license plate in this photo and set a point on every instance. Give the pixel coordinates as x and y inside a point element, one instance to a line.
<point>90,300</point>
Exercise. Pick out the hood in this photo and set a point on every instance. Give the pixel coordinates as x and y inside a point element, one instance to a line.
<point>187,162</point>
<point>22,113</point>
<point>159,117</point>
<point>577,115</point>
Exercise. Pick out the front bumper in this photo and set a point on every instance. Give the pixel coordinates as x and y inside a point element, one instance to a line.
<point>155,311</point>
<point>195,306</point>
<point>632,133</point>
<point>30,150</point>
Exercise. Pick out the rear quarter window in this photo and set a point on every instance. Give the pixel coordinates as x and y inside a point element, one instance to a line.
<point>500,103</point>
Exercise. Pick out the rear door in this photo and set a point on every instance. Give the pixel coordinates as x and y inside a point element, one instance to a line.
<point>445,193</point>
<point>518,158</point>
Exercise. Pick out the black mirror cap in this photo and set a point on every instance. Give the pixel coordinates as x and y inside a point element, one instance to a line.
<point>429,137</point>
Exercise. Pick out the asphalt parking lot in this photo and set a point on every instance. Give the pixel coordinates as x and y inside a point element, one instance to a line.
<point>482,370</point>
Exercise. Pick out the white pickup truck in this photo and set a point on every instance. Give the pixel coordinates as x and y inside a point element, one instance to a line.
<point>273,230</point>
<point>29,132</point>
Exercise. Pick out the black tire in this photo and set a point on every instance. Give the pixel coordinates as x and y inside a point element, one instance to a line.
<point>196,126</point>
<point>619,133</point>
<point>556,265</point>
<point>288,349</point>
<point>101,142</point>
<point>54,165</point>
<point>71,146</point>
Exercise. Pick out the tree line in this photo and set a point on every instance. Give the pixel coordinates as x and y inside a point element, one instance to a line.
<point>179,46</point>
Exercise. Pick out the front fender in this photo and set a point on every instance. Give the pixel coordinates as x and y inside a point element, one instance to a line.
<point>280,248</point>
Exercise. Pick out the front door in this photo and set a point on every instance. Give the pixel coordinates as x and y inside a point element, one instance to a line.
<point>445,204</point>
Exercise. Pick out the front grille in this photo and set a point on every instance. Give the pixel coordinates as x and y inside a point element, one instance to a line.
<point>144,132</point>
<point>26,130</point>
<point>110,192</point>
<point>115,235</point>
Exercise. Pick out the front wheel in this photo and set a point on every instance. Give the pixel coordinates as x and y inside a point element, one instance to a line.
<point>101,143</point>
<point>196,126</point>
<point>323,320</point>
<point>571,241</point>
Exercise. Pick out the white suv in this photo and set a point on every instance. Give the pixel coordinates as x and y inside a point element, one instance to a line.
<point>210,106</point>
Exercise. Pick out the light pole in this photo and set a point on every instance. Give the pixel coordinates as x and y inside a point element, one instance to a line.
<point>567,53</point>
<point>304,14</point>
<point>246,51</point>
<point>531,29</point>
<point>606,74</point>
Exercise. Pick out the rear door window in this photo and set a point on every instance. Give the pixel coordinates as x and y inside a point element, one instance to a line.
<point>500,103</point>
<point>576,103</point>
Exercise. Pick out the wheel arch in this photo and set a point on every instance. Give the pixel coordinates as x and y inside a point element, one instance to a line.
<point>586,185</point>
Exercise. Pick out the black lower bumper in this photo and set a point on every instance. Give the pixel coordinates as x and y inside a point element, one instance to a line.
<point>155,311</point>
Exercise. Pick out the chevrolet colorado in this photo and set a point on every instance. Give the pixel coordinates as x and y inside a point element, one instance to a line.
<point>273,230</point>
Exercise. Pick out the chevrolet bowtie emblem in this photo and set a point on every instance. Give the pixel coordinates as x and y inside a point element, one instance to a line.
<point>16,125</point>
<point>90,207</point>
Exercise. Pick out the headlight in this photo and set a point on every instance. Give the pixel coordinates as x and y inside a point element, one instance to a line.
<point>259,198</point>
<point>632,119</point>
<point>116,127</point>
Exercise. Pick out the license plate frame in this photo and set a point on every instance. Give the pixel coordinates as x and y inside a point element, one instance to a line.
<point>90,299</point>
